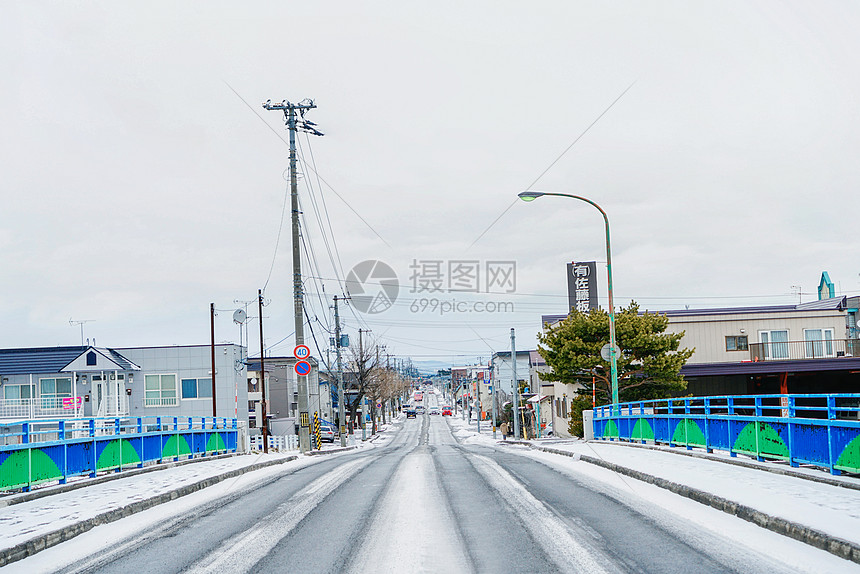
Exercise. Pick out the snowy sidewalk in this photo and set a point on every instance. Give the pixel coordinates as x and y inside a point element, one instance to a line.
<point>823,507</point>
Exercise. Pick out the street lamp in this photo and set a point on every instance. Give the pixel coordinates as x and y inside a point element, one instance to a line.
<point>613,352</point>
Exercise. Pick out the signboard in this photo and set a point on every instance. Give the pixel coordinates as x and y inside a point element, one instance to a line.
<point>301,352</point>
<point>582,286</point>
<point>302,368</point>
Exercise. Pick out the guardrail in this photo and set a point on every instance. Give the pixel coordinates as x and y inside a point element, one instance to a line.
<point>37,451</point>
<point>820,430</point>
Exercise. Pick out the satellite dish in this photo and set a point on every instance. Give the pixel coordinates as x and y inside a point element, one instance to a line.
<point>239,316</point>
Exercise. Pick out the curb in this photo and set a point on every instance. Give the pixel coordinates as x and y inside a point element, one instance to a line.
<point>330,451</point>
<point>30,547</point>
<point>61,488</point>
<point>766,467</point>
<point>837,546</point>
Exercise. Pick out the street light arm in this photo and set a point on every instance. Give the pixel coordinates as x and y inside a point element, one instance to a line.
<point>613,351</point>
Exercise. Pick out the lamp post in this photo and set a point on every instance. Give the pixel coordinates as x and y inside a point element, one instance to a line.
<point>613,350</point>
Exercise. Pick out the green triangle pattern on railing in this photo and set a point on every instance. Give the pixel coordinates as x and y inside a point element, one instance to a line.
<point>642,431</point>
<point>611,430</point>
<point>687,432</point>
<point>849,460</point>
<point>215,443</point>
<point>117,453</point>
<point>16,470</point>
<point>768,443</point>
<point>176,445</point>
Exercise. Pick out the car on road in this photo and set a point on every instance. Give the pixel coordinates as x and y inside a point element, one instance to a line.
<point>410,413</point>
<point>327,433</point>
<point>419,409</point>
<point>446,411</point>
<point>433,411</point>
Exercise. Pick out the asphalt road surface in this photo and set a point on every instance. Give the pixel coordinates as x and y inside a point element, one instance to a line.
<point>424,502</point>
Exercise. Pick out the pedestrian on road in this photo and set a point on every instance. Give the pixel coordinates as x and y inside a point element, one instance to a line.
<point>504,429</point>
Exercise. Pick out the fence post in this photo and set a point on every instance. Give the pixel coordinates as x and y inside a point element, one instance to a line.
<point>792,413</point>
<point>25,439</point>
<point>142,442</point>
<point>93,457</point>
<point>708,425</point>
<point>831,415</point>
<point>732,425</point>
<point>65,452</point>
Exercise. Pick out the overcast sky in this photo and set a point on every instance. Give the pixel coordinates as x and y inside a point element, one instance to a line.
<point>142,180</point>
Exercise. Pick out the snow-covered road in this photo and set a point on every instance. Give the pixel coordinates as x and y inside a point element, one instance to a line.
<point>431,496</point>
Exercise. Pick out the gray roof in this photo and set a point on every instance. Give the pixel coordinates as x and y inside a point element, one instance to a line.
<point>44,360</point>
<point>832,304</point>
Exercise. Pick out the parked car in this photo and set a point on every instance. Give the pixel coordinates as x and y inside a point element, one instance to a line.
<point>446,411</point>
<point>327,433</point>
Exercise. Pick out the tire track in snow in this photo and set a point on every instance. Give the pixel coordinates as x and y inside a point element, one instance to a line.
<point>559,543</point>
<point>233,555</point>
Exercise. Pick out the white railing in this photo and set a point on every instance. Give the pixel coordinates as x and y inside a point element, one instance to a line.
<point>162,402</point>
<point>276,443</point>
<point>43,407</point>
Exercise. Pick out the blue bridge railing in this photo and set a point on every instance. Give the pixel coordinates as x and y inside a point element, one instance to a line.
<point>37,451</point>
<point>820,430</point>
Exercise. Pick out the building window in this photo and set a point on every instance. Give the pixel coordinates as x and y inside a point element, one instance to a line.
<point>774,344</point>
<point>737,343</point>
<point>16,392</point>
<point>819,343</point>
<point>160,391</point>
<point>197,388</point>
<point>52,392</point>
<point>91,359</point>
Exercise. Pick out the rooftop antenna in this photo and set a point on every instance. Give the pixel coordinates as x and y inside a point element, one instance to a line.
<point>797,290</point>
<point>81,323</point>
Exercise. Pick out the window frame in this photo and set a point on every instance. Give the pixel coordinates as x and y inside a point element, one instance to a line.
<point>737,339</point>
<point>161,400</point>
<point>826,345</point>
<point>207,386</point>
<point>770,345</point>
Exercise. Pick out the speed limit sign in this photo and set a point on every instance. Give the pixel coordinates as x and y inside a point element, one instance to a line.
<point>301,352</point>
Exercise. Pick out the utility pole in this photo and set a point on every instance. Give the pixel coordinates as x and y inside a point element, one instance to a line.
<point>340,394</point>
<point>293,124</point>
<point>494,384</point>
<point>516,385</point>
<point>212,328</point>
<point>263,415</point>
<point>361,358</point>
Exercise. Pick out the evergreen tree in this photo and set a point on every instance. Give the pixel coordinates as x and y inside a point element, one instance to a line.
<point>649,362</point>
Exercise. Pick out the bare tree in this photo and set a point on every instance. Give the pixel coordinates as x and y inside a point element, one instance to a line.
<point>364,366</point>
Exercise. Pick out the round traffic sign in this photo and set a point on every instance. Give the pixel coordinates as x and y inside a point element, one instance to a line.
<point>302,368</point>
<point>606,352</point>
<point>301,352</point>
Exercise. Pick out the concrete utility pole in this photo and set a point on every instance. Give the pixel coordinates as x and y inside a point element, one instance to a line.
<point>516,385</point>
<point>341,411</point>
<point>494,385</point>
<point>263,426</point>
<point>212,340</point>
<point>364,399</point>
<point>293,124</point>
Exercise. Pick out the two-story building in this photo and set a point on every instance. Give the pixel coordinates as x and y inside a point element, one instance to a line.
<point>85,381</point>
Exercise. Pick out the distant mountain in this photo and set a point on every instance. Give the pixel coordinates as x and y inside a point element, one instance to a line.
<point>430,367</point>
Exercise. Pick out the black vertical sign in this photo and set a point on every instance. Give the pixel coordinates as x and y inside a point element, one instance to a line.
<point>582,286</point>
